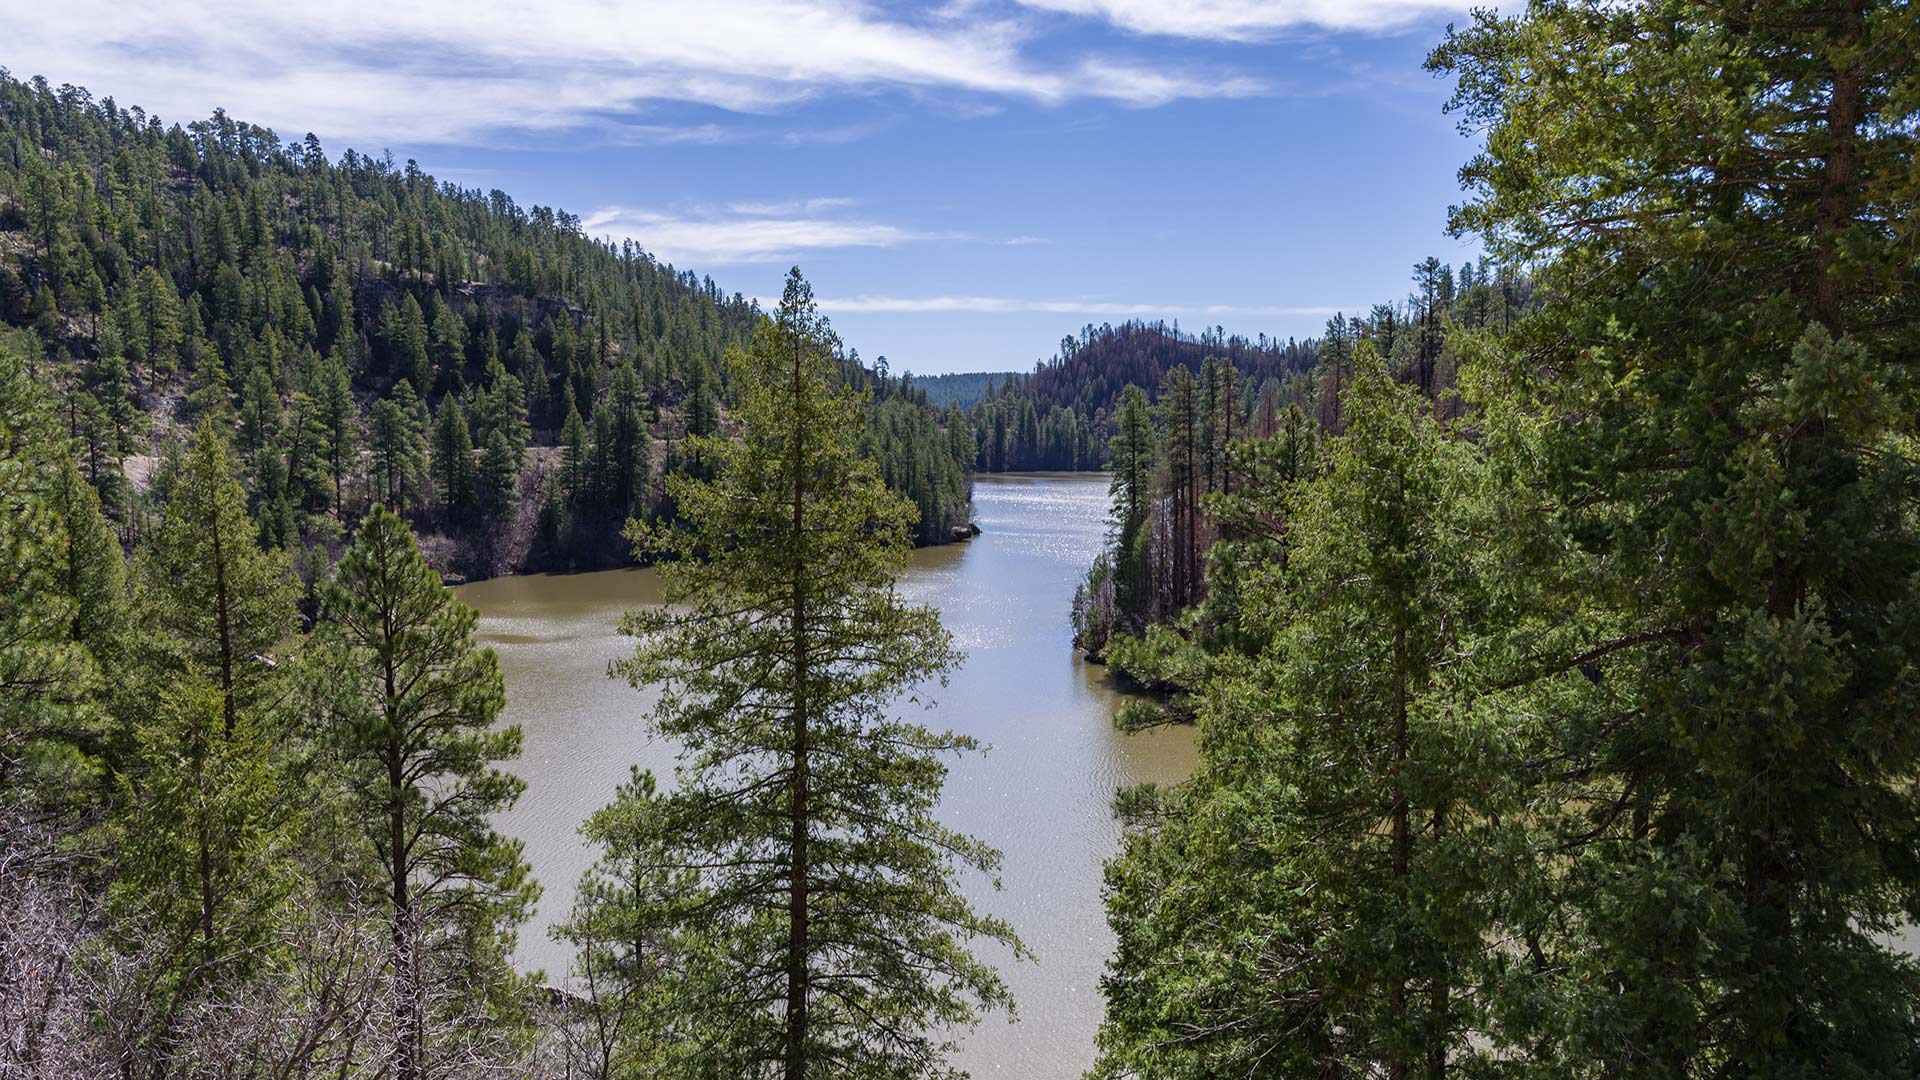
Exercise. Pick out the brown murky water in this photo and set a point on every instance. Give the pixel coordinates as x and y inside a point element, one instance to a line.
<point>1041,794</point>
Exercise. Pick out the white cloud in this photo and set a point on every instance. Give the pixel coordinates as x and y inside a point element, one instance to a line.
<point>672,134</point>
<point>998,305</point>
<point>790,206</point>
<point>1248,20</point>
<point>750,232</point>
<point>461,70</point>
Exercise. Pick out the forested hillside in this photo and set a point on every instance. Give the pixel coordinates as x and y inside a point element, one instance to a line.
<point>965,389</point>
<point>1062,414</point>
<point>366,334</point>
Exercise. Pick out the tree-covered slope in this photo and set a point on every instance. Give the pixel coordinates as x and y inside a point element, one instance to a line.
<point>368,334</point>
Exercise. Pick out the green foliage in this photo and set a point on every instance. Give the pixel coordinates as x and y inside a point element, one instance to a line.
<point>1302,902</point>
<point>202,846</point>
<point>826,890</point>
<point>47,616</point>
<point>398,430</point>
<point>1135,457</point>
<point>216,261</point>
<point>1725,463</point>
<point>453,471</point>
<point>409,705</point>
<point>641,956</point>
<point>216,606</point>
<point>1562,728</point>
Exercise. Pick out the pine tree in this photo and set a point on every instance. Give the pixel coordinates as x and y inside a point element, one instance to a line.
<point>502,407</point>
<point>210,403</point>
<point>93,573</point>
<point>522,360</point>
<point>337,418</point>
<point>154,320</point>
<point>447,349</point>
<point>635,929</point>
<point>45,670</point>
<point>574,458</point>
<point>1135,453</point>
<point>260,417</point>
<point>1220,413</point>
<point>1183,430</point>
<point>702,413</point>
<point>202,846</point>
<point>203,834</point>
<point>406,333</point>
<point>626,444</point>
<point>218,604</point>
<point>499,476</point>
<point>453,460</point>
<point>783,644</point>
<point>410,704</point>
<point>398,430</point>
<point>113,387</point>
<point>1302,906</point>
<point>1724,563</point>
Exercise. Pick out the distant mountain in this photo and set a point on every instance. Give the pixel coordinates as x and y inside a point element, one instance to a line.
<point>965,389</point>
<point>1090,370</point>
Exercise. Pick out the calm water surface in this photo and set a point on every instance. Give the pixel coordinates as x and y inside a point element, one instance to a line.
<point>1041,794</point>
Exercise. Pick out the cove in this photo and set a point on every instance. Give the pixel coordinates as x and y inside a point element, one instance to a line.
<point>1042,793</point>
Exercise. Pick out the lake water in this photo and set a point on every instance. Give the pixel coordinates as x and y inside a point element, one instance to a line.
<point>1042,794</point>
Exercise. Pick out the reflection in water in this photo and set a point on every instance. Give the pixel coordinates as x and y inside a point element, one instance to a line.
<point>1042,793</point>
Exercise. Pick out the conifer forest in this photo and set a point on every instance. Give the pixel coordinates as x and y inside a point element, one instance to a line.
<point>1541,642</point>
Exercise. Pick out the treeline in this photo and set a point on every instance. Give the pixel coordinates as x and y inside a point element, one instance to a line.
<point>234,847</point>
<point>247,820</point>
<point>1203,433</point>
<point>965,389</point>
<point>364,334</point>
<point>1555,671</point>
<point>1063,414</point>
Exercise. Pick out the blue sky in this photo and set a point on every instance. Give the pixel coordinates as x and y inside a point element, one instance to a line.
<point>963,183</point>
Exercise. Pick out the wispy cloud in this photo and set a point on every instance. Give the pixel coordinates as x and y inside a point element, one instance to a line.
<point>835,135</point>
<point>1000,305</point>
<point>677,134</point>
<point>440,71</point>
<point>1248,20</point>
<point>791,206</point>
<point>751,232</point>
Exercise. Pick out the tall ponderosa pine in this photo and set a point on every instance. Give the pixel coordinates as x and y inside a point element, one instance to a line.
<point>574,470</point>
<point>202,844</point>
<point>153,320</point>
<point>1135,455</point>
<point>826,884</point>
<point>410,703</point>
<point>338,421</point>
<point>636,928</point>
<point>621,445</point>
<point>1184,444</point>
